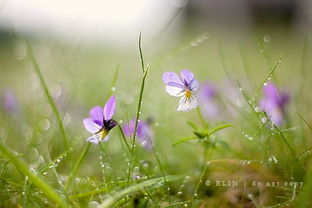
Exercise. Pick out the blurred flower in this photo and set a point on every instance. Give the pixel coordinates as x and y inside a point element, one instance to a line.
<point>9,102</point>
<point>144,133</point>
<point>274,103</point>
<point>100,121</point>
<point>185,86</point>
<point>207,100</point>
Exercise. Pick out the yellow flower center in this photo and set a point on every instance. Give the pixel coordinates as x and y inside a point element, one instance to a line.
<point>188,93</point>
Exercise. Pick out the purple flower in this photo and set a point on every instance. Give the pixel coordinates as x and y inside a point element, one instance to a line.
<point>184,86</point>
<point>144,133</point>
<point>9,102</point>
<point>274,103</point>
<point>100,121</point>
<point>207,100</point>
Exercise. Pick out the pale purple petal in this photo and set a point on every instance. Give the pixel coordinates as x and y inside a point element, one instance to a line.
<point>194,86</point>
<point>174,91</point>
<point>93,139</point>
<point>96,114</point>
<point>187,76</point>
<point>276,116</point>
<point>271,92</point>
<point>207,91</point>
<point>91,126</point>
<point>109,108</point>
<point>172,79</point>
<point>128,129</point>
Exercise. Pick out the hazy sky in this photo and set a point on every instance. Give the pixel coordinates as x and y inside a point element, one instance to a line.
<point>97,19</point>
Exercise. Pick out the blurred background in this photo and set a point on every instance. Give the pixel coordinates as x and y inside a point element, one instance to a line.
<point>83,46</point>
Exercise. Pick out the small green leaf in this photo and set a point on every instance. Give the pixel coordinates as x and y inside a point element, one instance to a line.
<point>194,127</point>
<point>185,139</point>
<point>218,128</point>
<point>200,134</point>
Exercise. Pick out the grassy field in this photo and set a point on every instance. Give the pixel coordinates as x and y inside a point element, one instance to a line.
<point>234,157</point>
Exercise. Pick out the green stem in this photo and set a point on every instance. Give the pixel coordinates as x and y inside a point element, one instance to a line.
<point>201,118</point>
<point>138,110</point>
<point>77,165</point>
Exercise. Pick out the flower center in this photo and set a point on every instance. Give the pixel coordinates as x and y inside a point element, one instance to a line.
<point>188,93</point>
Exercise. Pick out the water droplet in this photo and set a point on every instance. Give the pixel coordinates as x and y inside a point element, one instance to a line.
<point>265,84</point>
<point>56,90</point>
<point>273,159</point>
<point>207,182</point>
<point>44,124</point>
<point>264,119</point>
<point>67,119</point>
<point>156,124</point>
<point>179,193</point>
<point>113,89</point>
<point>20,52</point>
<point>267,39</point>
<point>144,142</point>
<point>257,109</point>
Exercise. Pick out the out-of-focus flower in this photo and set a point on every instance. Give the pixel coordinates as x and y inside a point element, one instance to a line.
<point>185,86</point>
<point>9,102</point>
<point>274,103</point>
<point>207,100</point>
<point>144,133</point>
<point>100,121</point>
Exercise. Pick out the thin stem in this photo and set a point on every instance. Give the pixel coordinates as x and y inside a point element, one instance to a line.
<point>201,118</point>
<point>139,108</point>
<point>129,149</point>
<point>141,54</point>
<point>77,165</point>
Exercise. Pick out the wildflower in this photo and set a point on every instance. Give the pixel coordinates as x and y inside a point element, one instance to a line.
<point>144,133</point>
<point>185,86</point>
<point>9,102</point>
<point>207,100</point>
<point>274,103</point>
<point>100,121</point>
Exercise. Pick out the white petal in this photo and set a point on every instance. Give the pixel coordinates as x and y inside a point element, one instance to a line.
<point>93,139</point>
<point>174,91</point>
<point>187,104</point>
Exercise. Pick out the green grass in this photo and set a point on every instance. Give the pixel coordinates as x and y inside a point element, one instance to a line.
<point>46,162</point>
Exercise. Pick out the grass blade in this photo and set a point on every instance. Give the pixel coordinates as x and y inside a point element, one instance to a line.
<point>48,95</point>
<point>35,179</point>
<point>152,183</point>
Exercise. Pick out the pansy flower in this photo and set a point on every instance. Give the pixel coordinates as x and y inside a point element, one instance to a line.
<point>144,133</point>
<point>9,102</point>
<point>184,86</point>
<point>207,100</point>
<point>100,121</point>
<point>274,103</point>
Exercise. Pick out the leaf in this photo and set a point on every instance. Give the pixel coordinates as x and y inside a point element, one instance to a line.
<point>152,183</point>
<point>201,134</point>
<point>35,179</point>
<point>194,127</point>
<point>218,128</point>
<point>185,139</point>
